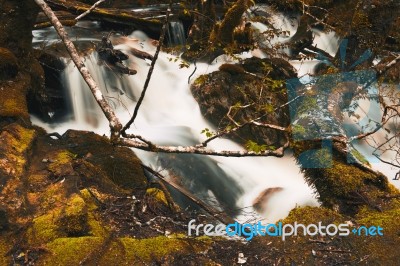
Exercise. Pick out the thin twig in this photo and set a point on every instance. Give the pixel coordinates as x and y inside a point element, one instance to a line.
<point>146,83</point>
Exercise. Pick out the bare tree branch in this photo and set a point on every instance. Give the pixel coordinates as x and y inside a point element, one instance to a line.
<point>115,124</point>
<point>200,150</point>
<point>89,10</point>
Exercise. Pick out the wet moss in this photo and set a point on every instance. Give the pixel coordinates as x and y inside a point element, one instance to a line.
<point>15,143</point>
<point>312,215</point>
<point>150,249</point>
<point>44,229</point>
<point>373,246</point>
<point>96,228</point>
<point>158,195</point>
<point>13,97</point>
<point>74,218</point>
<point>61,164</point>
<point>71,250</point>
<point>8,64</point>
<point>119,251</point>
<point>4,248</point>
<point>120,164</point>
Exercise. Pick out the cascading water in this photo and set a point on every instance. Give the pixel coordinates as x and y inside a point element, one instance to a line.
<point>169,115</point>
<point>176,33</point>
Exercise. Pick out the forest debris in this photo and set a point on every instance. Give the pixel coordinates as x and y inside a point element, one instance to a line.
<point>112,57</point>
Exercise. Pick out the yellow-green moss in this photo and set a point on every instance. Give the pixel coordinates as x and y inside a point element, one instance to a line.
<point>96,227</point>
<point>52,197</point>
<point>120,251</point>
<point>158,195</point>
<point>312,215</point>
<point>74,219</point>
<point>15,141</point>
<point>70,251</point>
<point>382,250</point>
<point>345,178</point>
<point>13,97</point>
<point>157,247</point>
<point>4,248</point>
<point>44,229</point>
<point>62,163</point>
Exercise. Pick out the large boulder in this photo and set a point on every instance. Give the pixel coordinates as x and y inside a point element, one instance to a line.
<point>259,83</point>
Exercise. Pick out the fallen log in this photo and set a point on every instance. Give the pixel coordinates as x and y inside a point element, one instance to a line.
<point>152,26</point>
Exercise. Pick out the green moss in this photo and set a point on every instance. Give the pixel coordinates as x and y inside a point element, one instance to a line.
<point>345,178</point>
<point>313,215</point>
<point>158,195</point>
<point>232,19</point>
<point>74,219</point>
<point>96,227</point>
<point>70,251</point>
<point>154,248</point>
<point>15,143</point>
<point>121,251</point>
<point>389,242</point>
<point>44,229</point>
<point>13,97</point>
<point>201,80</point>
<point>62,163</point>
<point>4,248</point>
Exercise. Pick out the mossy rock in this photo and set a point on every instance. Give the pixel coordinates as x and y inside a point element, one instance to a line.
<point>120,164</point>
<point>4,249</point>
<point>119,251</point>
<point>74,218</point>
<point>15,142</point>
<point>340,184</point>
<point>8,64</point>
<point>3,220</point>
<point>13,97</point>
<point>256,82</point>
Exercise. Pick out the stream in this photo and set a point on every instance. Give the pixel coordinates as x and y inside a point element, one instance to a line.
<point>169,115</point>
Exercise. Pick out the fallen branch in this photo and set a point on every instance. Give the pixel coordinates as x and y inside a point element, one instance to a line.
<point>115,124</point>
<point>220,216</point>
<point>199,150</point>
<point>89,10</point>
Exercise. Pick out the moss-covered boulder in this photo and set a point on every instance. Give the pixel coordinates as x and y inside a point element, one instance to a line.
<point>255,83</point>
<point>342,185</point>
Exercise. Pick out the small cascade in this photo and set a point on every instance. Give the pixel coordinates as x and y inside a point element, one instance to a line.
<point>176,33</point>
<point>170,115</point>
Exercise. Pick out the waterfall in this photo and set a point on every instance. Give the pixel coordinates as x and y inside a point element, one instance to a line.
<point>170,115</point>
<point>176,33</point>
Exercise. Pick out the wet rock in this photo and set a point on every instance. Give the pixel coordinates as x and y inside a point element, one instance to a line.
<point>74,218</point>
<point>260,203</point>
<point>3,220</point>
<point>256,82</point>
<point>8,64</point>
